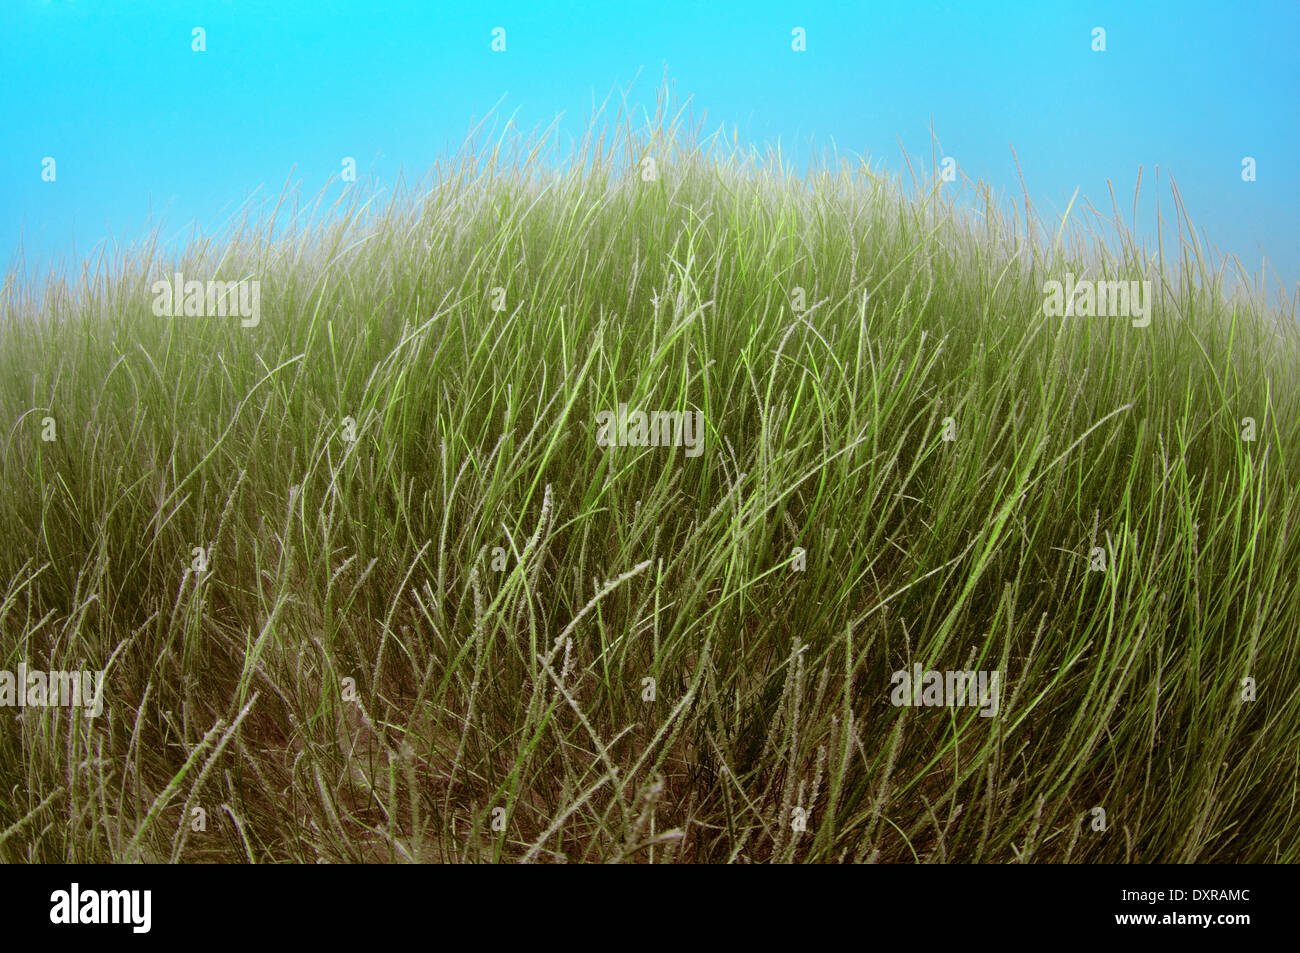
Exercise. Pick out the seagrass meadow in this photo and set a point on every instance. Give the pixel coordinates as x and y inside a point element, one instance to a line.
<point>365,586</point>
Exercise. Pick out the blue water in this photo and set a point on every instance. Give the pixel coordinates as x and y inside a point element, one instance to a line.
<point>144,130</point>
